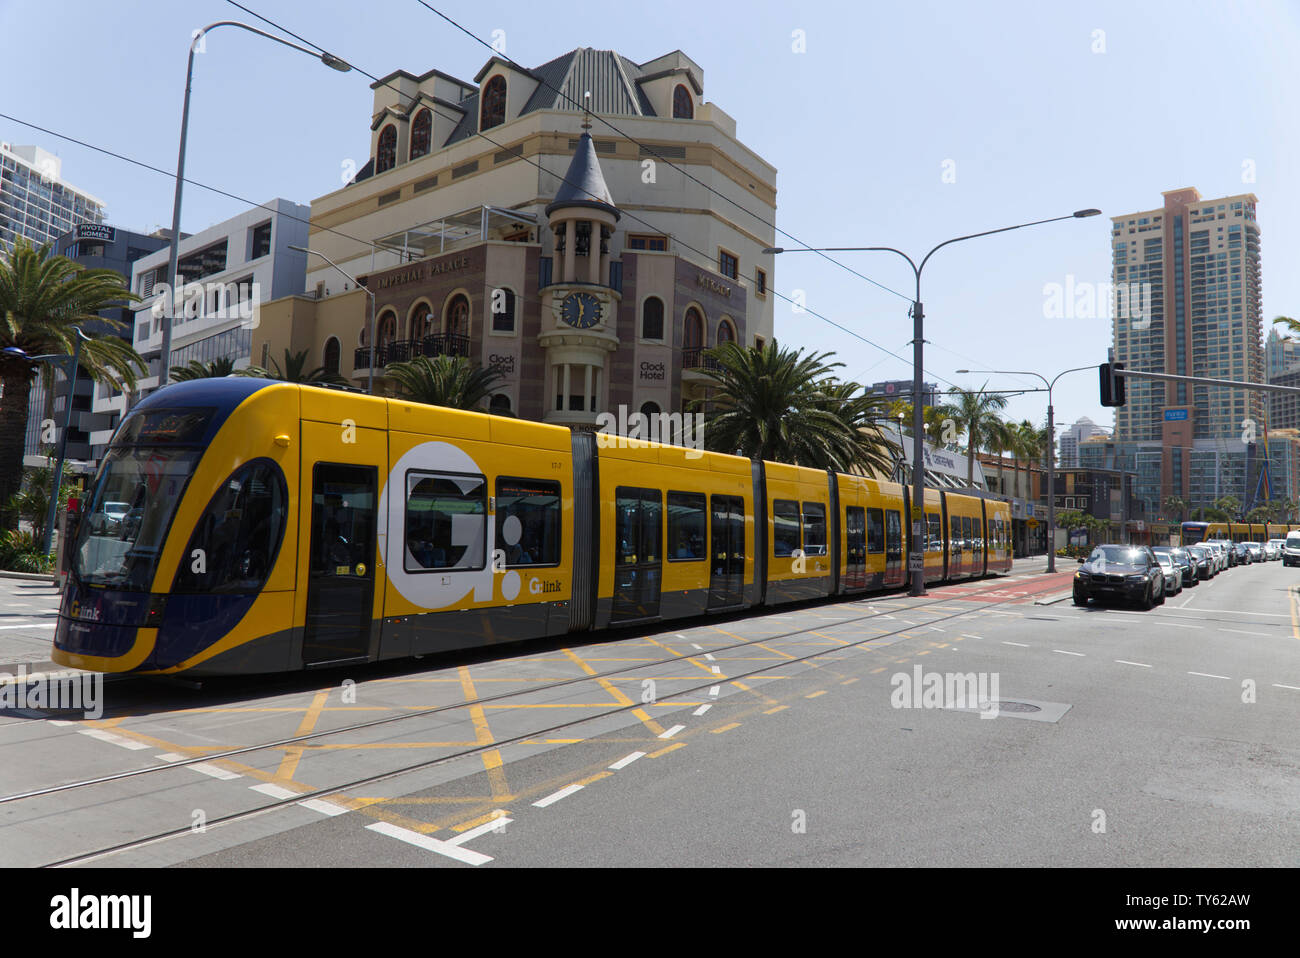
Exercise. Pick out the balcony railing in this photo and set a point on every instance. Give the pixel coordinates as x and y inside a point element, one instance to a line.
<point>695,357</point>
<point>404,350</point>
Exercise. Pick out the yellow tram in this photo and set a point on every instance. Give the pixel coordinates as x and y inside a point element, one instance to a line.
<point>274,526</point>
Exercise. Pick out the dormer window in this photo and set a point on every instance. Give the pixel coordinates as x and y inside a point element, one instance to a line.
<point>386,155</point>
<point>683,104</point>
<point>421,133</point>
<point>493,112</point>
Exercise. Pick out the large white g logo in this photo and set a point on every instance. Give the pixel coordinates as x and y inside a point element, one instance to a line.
<point>438,588</point>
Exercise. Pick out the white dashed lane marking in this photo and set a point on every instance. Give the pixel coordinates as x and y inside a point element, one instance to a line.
<point>672,731</point>
<point>556,796</point>
<point>112,739</point>
<point>466,855</point>
<point>626,760</point>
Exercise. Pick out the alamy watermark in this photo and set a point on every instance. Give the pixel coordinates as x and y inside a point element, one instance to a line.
<point>82,692</point>
<point>1127,302</point>
<point>977,691</point>
<point>190,301</point>
<point>635,430</point>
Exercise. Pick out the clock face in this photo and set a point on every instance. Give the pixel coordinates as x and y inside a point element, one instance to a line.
<point>581,310</point>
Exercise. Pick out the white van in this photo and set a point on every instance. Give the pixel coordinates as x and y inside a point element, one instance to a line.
<point>1291,551</point>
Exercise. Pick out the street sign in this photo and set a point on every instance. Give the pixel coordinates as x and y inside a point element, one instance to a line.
<point>916,562</point>
<point>1032,523</point>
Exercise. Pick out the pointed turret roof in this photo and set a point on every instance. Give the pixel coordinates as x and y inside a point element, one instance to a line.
<point>584,183</point>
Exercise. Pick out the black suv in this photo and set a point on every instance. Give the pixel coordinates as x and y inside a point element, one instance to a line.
<point>1120,572</point>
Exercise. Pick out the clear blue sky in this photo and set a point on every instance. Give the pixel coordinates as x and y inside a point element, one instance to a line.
<point>859,127</point>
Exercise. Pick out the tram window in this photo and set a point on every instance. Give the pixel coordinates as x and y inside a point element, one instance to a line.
<point>934,533</point>
<point>446,521</point>
<point>686,529</point>
<point>875,531</point>
<point>238,537</point>
<point>638,526</point>
<point>954,530</point>
<point>967,532</point>
<point>785,527</point>
<point>814,529</point>
<point>528,521</point>
<point>893,533</point>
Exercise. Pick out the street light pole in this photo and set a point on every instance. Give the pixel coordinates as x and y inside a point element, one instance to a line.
<point>370,384</point>
<point>1051,449</point>
<point>917,312</point>
<point>173,255</point>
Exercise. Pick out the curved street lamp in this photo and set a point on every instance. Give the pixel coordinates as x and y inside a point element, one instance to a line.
<point>1051,450</point>
<point>918,315</point>
<point>173,255</point>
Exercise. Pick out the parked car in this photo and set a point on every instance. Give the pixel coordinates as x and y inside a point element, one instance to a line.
<point>1206,567</point>
<point>1120,572</point>
<point>1183,559</point>
<point>1173,573</point>
<point>1291,551</point>
<point>1220,554</point>
<point>1273,548</point>
<point>107,520</point>
<point>1229,551</point>
<point>1256,551</point>
<point>1243,553</point>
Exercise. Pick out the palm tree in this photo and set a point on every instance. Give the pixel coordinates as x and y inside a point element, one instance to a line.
<point>1177,506</point>
<point>42,296</point>
<point>444,381</point>
<point>976,415</point>
<point>1027,443</point>
<point>295,371</point>
<point>1001,439</point>
<point>861,411</point>
<point>1292,325</point>
<point>771,403</point>
<point>222,366</point>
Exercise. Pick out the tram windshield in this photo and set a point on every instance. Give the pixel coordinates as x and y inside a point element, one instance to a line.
<point>119,549</point>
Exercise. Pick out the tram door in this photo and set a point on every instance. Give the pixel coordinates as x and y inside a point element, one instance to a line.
<point>341,564</point>
<point>893,548</point>
<point>855,529</point>
<point>638,553</point>
<point>727,567</point>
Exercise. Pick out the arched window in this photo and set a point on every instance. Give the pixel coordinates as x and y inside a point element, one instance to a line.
<point>386,155</point>
<point>422,133</point>
<point>493,112</point>
<point>726,332</point>
<point>421,321</point>
<point>387,328</point>
<point>503,310</point>
<point>500,405</point>
<point>458,316</point>
<point>683,104</point>
<point>652,318</point>
<point>693,330</point>
<point>649,409</point>
<point>332,350</point>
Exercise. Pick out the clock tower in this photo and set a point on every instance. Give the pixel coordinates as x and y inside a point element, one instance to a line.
<point>580,308</point>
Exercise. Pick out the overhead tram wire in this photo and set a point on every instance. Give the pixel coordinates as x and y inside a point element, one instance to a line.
<point>664,159</point>
<point>388,249</point>
<point>628,213</point>
<point>171,174</point>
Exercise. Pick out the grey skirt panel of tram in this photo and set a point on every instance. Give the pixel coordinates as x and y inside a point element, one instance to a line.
<point>431,632</point>
<point>278,652</point>
<point>680,604</point>
<point>798,590</point>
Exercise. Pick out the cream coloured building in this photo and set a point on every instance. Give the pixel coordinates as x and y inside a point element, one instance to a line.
<point>590,266</point>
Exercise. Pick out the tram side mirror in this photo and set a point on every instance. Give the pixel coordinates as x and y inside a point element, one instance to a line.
<point>1080,560</point>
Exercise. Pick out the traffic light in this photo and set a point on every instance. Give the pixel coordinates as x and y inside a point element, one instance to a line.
<point>1112,386</point>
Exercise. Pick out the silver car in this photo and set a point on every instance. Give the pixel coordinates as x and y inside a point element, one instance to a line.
<point>1173,573</point>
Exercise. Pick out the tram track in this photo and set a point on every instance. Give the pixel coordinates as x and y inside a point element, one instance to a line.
<point>491,699</point>
<point>532,734</point>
